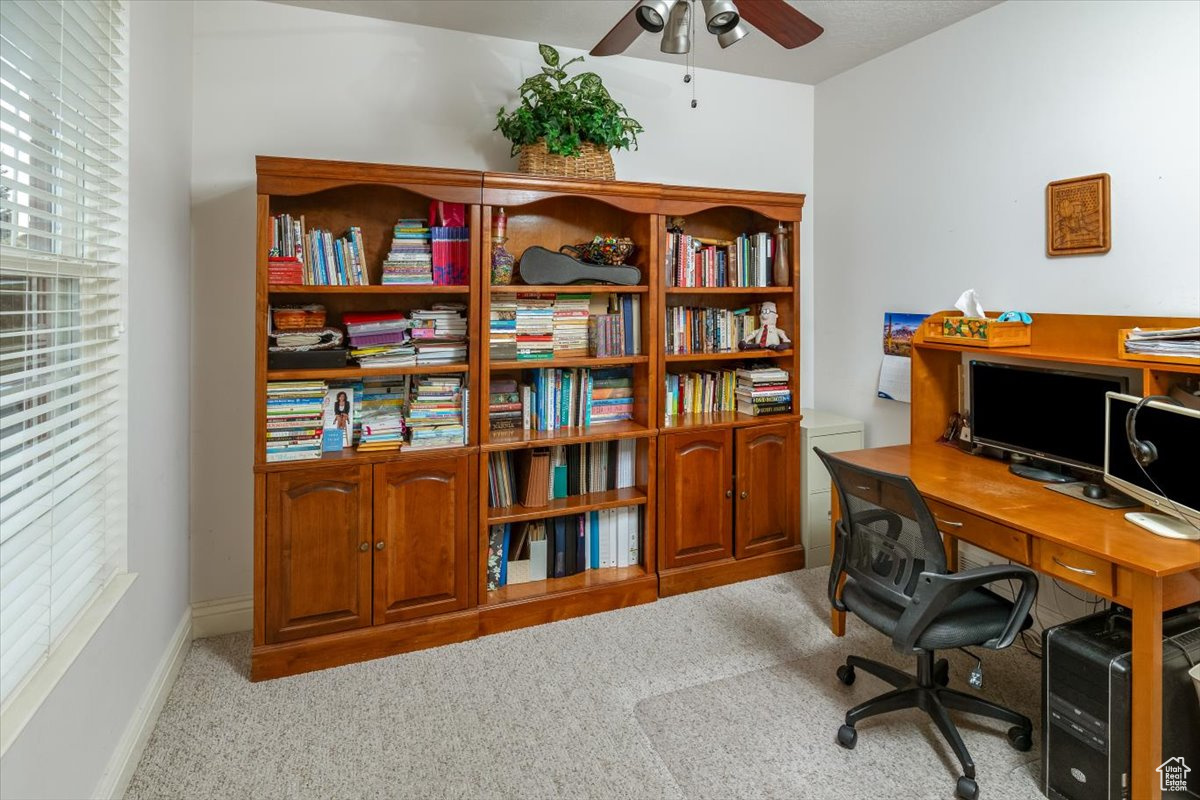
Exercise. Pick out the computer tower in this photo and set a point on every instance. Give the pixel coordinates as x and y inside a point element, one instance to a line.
<point>1086,688</point>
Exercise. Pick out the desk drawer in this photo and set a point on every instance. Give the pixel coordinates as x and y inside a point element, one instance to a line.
<point>1091,572</point>
<point>1012,544</point>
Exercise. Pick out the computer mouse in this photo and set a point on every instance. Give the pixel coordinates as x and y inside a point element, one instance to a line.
<point>1094,491</point>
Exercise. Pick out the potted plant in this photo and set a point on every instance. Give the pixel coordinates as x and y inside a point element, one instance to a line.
<point>566,126</point>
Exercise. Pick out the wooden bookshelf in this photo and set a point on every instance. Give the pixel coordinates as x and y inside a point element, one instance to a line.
<point>391,547</point>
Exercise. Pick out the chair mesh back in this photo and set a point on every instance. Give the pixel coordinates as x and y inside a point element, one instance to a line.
<point>890,537</point>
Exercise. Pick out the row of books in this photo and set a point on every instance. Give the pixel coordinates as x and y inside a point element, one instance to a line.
<point>561,398</point>
<point>532,478</point>
<point>697,261</point>
<point>759,391</point>
<point>537,326</point>
<point>708,330</point>
<point>421,254</point>
<point>314,257</point>
<point>294,420</point>
<point>562,546</point>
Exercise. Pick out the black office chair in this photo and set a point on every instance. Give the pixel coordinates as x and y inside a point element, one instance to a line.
<point>890,552</point>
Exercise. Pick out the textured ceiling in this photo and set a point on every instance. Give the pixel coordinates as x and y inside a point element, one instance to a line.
<point>856,31</point>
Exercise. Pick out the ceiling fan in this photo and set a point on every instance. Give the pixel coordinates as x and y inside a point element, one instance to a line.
<point>722,18</point>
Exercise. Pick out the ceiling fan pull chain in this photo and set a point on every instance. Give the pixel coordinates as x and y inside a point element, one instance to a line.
<point>691,56</point>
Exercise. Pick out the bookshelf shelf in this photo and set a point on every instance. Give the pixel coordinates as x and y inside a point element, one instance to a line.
<point>342,373</point>
<point>584,580</point>
<point>366,290</point>
<point>534,363</point>
<point>729,290</point>
<point>515,439</point>
<point>351,457</point>
<point>736,354</point>
<point>581,288</point>
<point>592,501</point>
<point>719,420</point>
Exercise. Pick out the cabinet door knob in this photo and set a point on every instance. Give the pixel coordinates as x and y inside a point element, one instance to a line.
<point>745,495</point>
<point>729,492</point>
<point>379,545</point>
<point>364,547</point>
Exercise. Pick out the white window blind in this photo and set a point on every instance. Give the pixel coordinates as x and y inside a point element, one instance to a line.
<point>62,369</point>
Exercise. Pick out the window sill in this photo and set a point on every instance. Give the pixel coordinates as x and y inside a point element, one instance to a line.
<point>27,698</point>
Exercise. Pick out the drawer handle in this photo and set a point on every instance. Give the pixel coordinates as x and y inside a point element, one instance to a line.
<point>948,523</point>
<point>1080,570</point>
<point>864,488</point>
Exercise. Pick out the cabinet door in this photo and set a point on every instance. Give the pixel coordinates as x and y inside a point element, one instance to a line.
<point>420,545</point>
<point>767,489</point>
<point>698,498</point>
<point>318,552</point>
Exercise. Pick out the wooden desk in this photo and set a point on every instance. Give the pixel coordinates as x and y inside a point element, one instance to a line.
<point>977,500</point>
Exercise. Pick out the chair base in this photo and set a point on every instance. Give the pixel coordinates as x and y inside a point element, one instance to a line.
<point>927,691</point>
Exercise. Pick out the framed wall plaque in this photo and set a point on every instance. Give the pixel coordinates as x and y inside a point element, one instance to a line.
<point>1077,216</point>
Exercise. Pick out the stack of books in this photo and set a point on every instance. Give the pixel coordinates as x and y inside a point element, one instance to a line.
<point>563,546</point>
<point>611,396</point>
<point>570,325</point>
<point>502,343</point>
<point>762,391</point>
<point>379,338</point>
<point>294,412</point>
<point>410,261</point>
<point>380,418</point>
<point>708,330</point>
<point>696,261</point>
<point>504,405</point>
<point>436,410</point>
<point>285,259</point>
<point>535,326</point>
<point>451,255</point>
<point>440,334</point>
<point>702,392</point>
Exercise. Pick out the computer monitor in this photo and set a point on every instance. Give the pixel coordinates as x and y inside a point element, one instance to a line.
<point>1169,484</point>
<point>1049,414</point>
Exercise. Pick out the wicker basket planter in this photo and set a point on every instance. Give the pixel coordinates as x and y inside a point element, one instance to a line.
<point>593,162</point>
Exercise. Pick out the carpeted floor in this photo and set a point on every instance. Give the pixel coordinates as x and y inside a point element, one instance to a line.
<point>727,693</point>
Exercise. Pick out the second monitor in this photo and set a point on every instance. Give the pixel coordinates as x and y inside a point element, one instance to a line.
<point>1053,416</point>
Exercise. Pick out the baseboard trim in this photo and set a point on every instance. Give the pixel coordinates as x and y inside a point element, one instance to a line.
<point>219,617</point>
<point>129,749</point>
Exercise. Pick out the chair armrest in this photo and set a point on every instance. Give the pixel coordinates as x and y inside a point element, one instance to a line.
<point>935,592</point>
<point>837,567</point>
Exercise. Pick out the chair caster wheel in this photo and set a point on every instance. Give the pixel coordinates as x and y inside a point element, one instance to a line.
<point>1020,738</point>
<point>845,674</point>
<point>967,789</point>
<point>941,672</point>
<point>847,737</point>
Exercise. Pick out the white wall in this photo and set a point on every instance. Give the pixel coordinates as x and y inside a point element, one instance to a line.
<point>278,80</point>
<point>932,163</point>
<point>66,747</point>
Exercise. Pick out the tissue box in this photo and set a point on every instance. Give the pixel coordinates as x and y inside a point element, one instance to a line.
<point>977,332</point>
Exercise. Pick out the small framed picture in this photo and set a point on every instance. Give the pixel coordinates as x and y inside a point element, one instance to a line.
<point>1077,216</point>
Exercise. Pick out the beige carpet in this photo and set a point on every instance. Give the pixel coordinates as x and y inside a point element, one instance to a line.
<point>726,693</point>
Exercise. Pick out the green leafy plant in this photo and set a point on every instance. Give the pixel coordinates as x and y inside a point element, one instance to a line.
<point>566,111</point>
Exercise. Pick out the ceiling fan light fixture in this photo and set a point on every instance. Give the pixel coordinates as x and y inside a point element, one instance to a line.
<point>732,36</point>
<point>720,16</point>
<point>676,38</point>
<point>652,14</point>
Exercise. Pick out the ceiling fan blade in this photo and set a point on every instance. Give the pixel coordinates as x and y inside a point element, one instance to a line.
<point>620,37</point>
<point>780,21</point>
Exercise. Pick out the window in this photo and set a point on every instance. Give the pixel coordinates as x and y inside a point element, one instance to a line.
<point>62,368</point>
